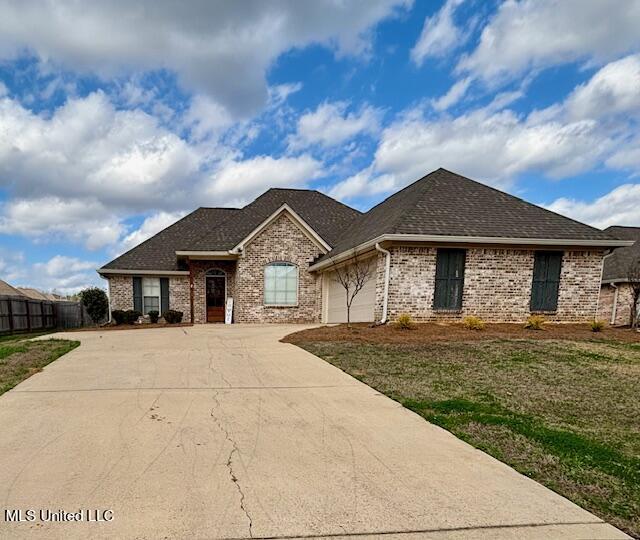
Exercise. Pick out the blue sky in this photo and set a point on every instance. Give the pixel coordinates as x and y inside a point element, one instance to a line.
<point>116,120</point>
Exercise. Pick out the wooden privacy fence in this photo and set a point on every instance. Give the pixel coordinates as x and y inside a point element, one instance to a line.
<point>28,315</point>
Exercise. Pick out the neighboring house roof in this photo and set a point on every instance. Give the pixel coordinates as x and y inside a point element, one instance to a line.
<point>445,204</point>
<point>34,294</point>
<point>617,264</point>
<point>221,229</point>
<point>326,216</point>
<point>8,290</point>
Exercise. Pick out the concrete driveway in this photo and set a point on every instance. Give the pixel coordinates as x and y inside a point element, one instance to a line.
<point>223,432</point>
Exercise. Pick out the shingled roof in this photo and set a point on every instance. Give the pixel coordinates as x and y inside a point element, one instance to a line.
<point>325,215</point>
<point>159,251</point>
<point>8,290</point>
<point>444,203</point>
<point>220,229</point>
<point>617,264</point>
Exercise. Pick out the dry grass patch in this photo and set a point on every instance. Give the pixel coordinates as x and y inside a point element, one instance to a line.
<point>563,411</point>
<point>19,359</point>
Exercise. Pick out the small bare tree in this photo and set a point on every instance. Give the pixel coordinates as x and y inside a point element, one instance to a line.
<point>353,277</point>
<point>633,276</point>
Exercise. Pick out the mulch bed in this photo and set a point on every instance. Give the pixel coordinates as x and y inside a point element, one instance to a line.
<point>433,332</point>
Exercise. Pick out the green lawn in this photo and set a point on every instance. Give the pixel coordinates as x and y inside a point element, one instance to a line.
<point>19,358</point>
<point>565,413</point>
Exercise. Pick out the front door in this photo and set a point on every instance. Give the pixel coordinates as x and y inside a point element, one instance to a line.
<point>216,295</point>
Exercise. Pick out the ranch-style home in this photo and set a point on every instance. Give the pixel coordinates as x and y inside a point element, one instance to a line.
<point>440,249</point>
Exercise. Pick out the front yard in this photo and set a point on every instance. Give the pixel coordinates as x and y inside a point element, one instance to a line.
<point>21,358</point>
<point>560,405</point>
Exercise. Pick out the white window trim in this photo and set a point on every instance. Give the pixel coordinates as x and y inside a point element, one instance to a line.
<point>159,296</point>
<point>264,289</point>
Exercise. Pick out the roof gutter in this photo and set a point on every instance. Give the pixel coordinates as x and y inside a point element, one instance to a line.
<point>108,271</point>
<point>370,244</point>
<point>226,253</point>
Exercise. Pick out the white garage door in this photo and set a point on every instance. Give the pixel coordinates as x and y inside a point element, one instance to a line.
<point>363,303</point>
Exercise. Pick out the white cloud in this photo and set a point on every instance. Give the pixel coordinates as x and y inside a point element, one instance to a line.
<point>618,207</point>
<point>150,226</point>
<point>455,94</point>
<point>238,182</point>
<point>494,147</point>
<point>89,149</point>
<point>330,125</point>
<point>535,34</point>
<point>72,219</point>
<point>591,127</point>
<point>65,275</point>
<point>613,90</point>
<point>220,49</point>
<point>440,35</point>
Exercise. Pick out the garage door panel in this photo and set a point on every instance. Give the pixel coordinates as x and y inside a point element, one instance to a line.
<point>362,309</point>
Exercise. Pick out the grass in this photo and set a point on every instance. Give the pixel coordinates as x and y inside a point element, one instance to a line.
<point>22,337</point>
<point>19,358</point>
<point>565,412</point>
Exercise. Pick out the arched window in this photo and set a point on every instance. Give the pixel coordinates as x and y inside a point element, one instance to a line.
<point>216,272</point>
<point>281,284</point>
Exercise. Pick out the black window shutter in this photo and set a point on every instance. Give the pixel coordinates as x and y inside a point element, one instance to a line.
<point>164,294</point>
<point>137,294</point>
<point>449,279</point>
<point>546,281</point>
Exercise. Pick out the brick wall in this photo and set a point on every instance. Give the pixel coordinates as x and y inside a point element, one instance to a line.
<point>281,241</point>
<point>121,293</point>
<point>623,309</point>
<point>497,285</point>
<point>179,297</point>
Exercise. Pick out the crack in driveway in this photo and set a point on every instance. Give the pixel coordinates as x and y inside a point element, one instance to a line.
<point>229,464</point>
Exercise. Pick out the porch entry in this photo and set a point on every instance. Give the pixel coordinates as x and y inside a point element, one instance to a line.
<point>216,286</point>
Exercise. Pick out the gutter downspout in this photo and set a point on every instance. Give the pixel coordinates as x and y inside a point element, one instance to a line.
<point>387,271</point>
<point>614,308</point>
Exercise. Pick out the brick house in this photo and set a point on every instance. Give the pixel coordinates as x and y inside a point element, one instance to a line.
<point>440,249</point>
<point>616,295</point>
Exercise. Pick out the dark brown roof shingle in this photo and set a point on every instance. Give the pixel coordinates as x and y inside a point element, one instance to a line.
<point>220,229</point>
<point>448,204</point>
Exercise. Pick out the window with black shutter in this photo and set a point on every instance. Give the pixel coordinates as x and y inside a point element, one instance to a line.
<point>449,279</point>
<point>546,281</point>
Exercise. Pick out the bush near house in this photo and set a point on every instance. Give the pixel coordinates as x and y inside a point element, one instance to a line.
<point>172,316</point>
<point>96,302</point>
<point>154,316</point>
<point>118,316</point>
<point>535,322</point>
<point>404,322</point>
<point>131,316</point>
<point>473,323</point>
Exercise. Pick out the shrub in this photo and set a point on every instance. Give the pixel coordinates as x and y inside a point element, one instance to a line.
<point>118,316</point>
<point>131,316</point>
<point>596,326</point>
<point>171,316</point>
<point>473,323</point>
<point>404,321</point>
<point>535,322</point>
<point>153,316</point>
<point>96,302</point>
